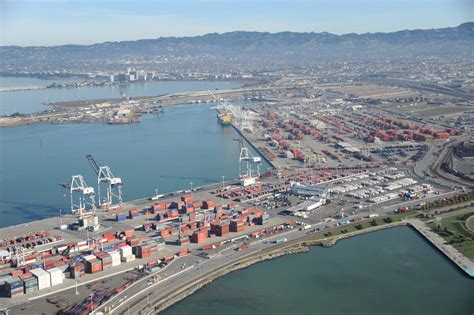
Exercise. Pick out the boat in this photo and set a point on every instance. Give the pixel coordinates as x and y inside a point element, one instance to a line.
<point>224,119</point>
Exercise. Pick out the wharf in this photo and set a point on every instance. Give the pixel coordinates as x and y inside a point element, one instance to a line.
<point>253,146</point>
<point>109,224</point>
<point>449,251</point>
<point>242,134</point>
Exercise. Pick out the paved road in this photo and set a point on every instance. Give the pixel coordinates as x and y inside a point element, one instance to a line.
<point>199,268</point>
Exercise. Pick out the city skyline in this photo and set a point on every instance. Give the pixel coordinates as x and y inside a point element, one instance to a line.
<point>31,23</point>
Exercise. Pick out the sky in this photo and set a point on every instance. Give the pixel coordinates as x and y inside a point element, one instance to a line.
<point>57,22</point>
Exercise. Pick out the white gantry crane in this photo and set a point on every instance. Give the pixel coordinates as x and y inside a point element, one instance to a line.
<point>81,195</point>
<point>249,165</point>
<point>112,196</point>
<point>243,118</point>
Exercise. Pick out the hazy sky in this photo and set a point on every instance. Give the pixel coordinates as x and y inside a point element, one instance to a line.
<point>53,22</point>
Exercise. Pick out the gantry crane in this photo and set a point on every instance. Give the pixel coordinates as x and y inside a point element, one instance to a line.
<point>81,195</point>
<point>249,165</point>
<point>113,190</point>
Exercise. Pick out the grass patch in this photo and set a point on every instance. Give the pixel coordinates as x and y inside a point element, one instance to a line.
<point>452,231</point>
<point>358,226</point>
<point>453,224</point>
<point>470,223</point>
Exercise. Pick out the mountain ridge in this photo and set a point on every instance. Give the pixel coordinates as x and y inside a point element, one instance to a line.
<point>245,49</point>
<point>469,26</point>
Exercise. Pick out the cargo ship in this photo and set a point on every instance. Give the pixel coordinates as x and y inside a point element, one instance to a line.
<point>224,119</point>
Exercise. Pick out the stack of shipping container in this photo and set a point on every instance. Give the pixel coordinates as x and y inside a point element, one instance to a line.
<point>199,236</point>
<point>236,226</point>
<point>14,287</point>
<point>220,229</point>
<point>43,277</point>
<point>92,264</point>
<point>121,216</point>
<point>30,283</point>
<point>145,250</point>
<point>115,256</point>
<point>56,276</point>
<point>77,270</point>
<point>105,259</point>
<point>126,254</point>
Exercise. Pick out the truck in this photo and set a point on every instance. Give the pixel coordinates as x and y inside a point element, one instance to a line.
<point>281,240</point>
<point>402,209</point>
<point>305,227</point>
<point>156,197</point>
<point>373,215</point>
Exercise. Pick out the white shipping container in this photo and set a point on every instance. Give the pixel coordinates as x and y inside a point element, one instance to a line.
<point>125,251</point>
<point>115,258</point>
<point>44,279</point>
<point>89,257</point>
<point>56,276</point>
<point>127,259</point>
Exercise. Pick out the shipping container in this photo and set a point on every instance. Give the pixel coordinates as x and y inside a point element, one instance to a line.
<point>43,277</point>
<point>56,276</point>
<point>14,287</point>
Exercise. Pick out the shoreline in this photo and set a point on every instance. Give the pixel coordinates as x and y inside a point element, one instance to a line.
<point>59,111</point>
<point>253,146</point>
<point>301,245</point>
<point>90,83</point>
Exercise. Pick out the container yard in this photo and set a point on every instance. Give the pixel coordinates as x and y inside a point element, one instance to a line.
<point>332,166</point>
<point>93,242</point>
<point>308,135</point>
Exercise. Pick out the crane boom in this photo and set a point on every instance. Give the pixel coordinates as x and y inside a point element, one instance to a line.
<point>93,163</point>
<point>213,95</point>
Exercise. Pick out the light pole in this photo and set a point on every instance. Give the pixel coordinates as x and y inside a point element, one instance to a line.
<point>191,183</point>
<point>60,218</point>
<point>222,192</point>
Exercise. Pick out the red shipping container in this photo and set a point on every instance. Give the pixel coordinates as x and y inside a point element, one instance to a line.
<point>16,273</point>
<point>26,276</point>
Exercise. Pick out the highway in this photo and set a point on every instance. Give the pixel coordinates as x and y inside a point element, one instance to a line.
<point>424,86</point>
<point>192,267</point>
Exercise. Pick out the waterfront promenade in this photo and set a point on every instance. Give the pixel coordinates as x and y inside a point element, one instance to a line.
<point>449,251</point>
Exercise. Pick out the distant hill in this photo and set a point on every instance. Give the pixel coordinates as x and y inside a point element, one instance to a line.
<point>243,49</point>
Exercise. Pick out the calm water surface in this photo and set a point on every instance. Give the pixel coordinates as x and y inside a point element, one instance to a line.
<point>32,101</point>
<point>184,144</point>
<point>393,271</point>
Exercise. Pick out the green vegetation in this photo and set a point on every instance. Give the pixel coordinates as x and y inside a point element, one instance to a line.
<point>453,230</point>
<point>363,225</point>
<point>441,203</point>
<point>470,224</point>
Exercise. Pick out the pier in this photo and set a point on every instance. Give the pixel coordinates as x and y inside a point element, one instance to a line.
<point>449,251</point>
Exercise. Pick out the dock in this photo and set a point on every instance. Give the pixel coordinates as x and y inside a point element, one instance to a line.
<point>449,251</point>
<point>250,142</point>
